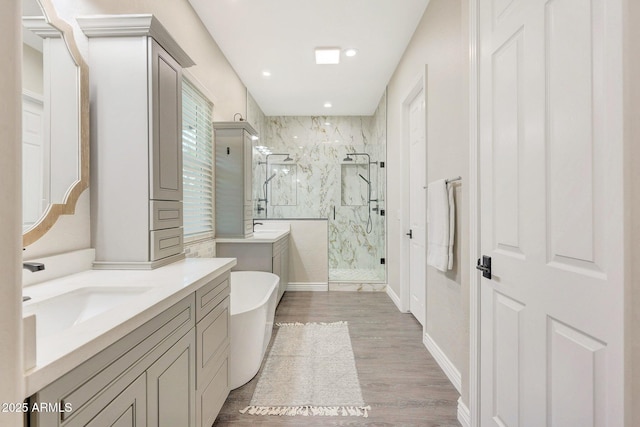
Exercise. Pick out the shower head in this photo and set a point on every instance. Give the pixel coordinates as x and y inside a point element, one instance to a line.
<point>365,179</point>
<point>348,158</point>
<point>286,159</point>
<point>269,179</point>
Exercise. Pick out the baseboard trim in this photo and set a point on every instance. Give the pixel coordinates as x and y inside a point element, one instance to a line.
<point>395,298</point>
<point>464,414</point>
<point>444,362</point>
<point>308,286</point>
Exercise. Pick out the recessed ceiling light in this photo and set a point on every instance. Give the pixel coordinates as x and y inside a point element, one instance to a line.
<point>266,73</point>
<point>327,55</point>
<point>351,52</point>
<point>327,124</point>
<point>327,105</point>
<point>295,136</point>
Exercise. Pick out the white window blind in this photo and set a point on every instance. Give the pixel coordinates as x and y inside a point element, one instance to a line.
<point>197,150</point>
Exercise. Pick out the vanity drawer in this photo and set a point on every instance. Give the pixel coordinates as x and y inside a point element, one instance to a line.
<point>210,295</point>
<point>165,243</point>
<point>165,214</point>
<point>212,342</point>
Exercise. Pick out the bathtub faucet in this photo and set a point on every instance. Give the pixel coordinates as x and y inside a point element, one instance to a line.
<point>256,223</point>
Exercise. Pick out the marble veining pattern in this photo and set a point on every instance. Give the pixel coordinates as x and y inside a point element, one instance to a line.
<point>358,287</point>
<point>353,275</point>
<point>322,184</point>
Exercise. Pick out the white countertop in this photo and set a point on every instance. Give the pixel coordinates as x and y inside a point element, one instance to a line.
<point>259,236</point>
<point>61,352</point>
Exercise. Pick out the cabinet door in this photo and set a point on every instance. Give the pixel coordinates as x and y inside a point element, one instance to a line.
<point>126,410</point>
<point>276,264</point>
<point>166,125</point>
<point>248,173</point>
<point>171,386</point>
<point>284,270</point>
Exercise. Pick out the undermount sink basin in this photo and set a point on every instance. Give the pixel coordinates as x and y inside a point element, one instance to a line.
<point>66,310</point>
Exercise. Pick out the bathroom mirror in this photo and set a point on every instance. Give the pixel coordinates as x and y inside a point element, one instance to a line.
<point>55,120</point>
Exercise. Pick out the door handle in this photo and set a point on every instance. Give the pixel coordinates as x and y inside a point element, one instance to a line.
<point>484,265</point>
<point>410,234</point>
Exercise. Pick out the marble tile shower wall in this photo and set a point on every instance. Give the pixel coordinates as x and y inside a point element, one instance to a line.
<point>318,183</point>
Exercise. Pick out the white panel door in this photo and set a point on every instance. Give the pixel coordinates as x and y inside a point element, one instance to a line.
<point>35,164</point>
<point>551,213</point>
<point>417,207</point>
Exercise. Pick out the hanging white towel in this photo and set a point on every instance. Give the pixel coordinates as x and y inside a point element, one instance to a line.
<point>440,225</point>
<point>452,223</point>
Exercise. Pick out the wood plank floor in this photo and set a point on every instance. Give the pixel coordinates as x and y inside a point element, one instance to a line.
<point>400,380</point>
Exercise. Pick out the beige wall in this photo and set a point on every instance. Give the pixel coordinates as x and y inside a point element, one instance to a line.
<point>441,43</point>
<point>11,387</point>
<point>212,72</point>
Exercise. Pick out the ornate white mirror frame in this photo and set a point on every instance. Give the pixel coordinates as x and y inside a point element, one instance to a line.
<point>68,206</point>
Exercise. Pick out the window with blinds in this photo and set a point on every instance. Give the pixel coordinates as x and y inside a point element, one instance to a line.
<point>197,157</point>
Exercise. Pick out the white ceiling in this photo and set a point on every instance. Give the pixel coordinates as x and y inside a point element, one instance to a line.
<point>280,36</point>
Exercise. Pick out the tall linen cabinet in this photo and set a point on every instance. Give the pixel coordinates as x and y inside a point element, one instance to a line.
<point>136,141</point>
<point>234,175</point>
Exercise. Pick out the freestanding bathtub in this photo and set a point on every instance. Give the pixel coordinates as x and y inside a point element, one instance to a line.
<point>254,296</point>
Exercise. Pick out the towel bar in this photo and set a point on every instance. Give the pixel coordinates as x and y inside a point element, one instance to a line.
<point>447,181</point>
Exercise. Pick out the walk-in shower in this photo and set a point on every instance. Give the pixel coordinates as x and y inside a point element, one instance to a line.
<point>338,176</point>
<point>349,158</point>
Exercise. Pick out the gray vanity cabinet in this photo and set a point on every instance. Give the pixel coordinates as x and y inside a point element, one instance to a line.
<point>234,174</point>
<point>280,264</point>
<point>257,255</point>
<point>171,371</point>
<point>124,410</point>
<point>171,386</point>
<point>136,141</point>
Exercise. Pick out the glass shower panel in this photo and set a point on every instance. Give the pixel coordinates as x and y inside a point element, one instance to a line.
<point>318,183</point>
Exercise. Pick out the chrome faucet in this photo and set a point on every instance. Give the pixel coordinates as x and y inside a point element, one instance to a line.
<point>256,223</point>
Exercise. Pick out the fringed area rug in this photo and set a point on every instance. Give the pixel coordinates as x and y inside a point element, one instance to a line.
<point>310,371</point>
